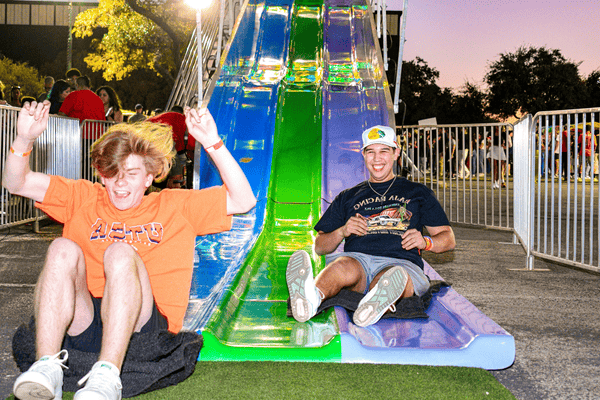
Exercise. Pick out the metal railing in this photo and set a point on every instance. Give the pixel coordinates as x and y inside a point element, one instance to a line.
<point>53,153</point>
<point>564,206</point>
<point>467,166</point>
<point>217,23</point>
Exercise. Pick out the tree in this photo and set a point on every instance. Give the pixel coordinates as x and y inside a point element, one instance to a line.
<point>592,85</point>
<point>139,34</point>
<point>531,80</point>
<point>21,74</point>
<point>469,105</point>
<point>421,95</point>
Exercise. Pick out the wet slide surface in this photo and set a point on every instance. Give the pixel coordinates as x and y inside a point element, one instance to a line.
<point>300,82</point>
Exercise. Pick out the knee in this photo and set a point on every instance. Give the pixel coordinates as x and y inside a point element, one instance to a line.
<point>64,254</point>
<point>118,256</point>
<point>347,269</point>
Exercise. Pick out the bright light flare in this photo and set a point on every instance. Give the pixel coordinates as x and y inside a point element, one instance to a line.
<point>198,4</point>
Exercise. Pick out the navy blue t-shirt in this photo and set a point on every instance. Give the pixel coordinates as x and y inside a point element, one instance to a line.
<point>406,205</point>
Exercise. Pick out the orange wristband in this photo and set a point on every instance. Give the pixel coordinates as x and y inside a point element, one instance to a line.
<point>428,243</point>
<point>20,154</point>
<point>215,146</point>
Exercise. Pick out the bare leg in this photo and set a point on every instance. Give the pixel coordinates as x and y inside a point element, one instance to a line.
<point>341,273</point>
<point>62,299</point>
<point>127,301</point>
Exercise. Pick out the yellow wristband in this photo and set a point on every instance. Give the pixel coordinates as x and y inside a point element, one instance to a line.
<point>20,154</point>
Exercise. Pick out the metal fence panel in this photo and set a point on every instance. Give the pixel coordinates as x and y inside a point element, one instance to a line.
<point>467,166</point>
<point>53,153</point>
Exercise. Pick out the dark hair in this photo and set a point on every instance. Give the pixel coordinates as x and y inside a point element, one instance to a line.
<point>59,86</point>
<point>113,98</point>
<point>177,109</point>
<point>29,99</point>
<point>72,72</point>
<point>83,81</point>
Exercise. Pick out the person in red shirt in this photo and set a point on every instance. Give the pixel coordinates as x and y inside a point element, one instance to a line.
<point>125,261</point>
<point>184,145</point>
<point>83,103</point>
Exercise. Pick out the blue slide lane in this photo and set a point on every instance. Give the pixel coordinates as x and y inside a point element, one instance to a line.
<point>243,102</point>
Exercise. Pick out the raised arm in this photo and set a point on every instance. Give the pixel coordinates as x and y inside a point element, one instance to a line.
<point>202,127</point>
<point>18,178</point>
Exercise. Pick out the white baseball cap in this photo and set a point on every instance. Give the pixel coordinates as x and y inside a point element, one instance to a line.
<point>379,134</point>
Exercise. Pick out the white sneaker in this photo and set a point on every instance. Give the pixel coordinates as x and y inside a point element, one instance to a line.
<point>103,383</point>
<point>304,295</point>
<point>43,380</point>
<point>384,295</point>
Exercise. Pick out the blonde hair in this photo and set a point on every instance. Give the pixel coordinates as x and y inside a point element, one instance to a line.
<point>153,142</point>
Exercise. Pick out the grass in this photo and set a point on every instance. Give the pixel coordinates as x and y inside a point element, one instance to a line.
<point>277,380</point>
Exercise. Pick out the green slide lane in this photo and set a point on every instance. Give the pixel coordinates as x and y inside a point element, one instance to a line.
<point>251,322</point>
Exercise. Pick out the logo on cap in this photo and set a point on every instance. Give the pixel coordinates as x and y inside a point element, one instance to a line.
<point>375,133</point>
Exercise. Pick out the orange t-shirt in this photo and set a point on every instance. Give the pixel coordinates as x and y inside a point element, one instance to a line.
<point>162,229</point>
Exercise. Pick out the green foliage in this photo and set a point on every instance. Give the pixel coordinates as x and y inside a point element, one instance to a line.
<point>20,73</point>
<point>133,41</point>
<point>531,80</point>
<point>469,105</point>
<point>421,95</point>
<point>592,85</point>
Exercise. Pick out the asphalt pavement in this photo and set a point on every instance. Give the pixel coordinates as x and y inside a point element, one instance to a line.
<point>552,312</point>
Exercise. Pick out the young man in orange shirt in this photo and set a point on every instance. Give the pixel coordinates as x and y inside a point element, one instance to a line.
<point>124,263</point>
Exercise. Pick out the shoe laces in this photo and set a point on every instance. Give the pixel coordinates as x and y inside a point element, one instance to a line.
<point>98,380</point>
<point>49,363</point>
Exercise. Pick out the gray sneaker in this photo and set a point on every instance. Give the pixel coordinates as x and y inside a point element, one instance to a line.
<point>43,380</point>
<point>384,295</point>
<point>101,383</point>
<point>304,297</point>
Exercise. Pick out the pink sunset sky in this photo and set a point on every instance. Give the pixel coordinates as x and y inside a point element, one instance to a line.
<point>461,38</point>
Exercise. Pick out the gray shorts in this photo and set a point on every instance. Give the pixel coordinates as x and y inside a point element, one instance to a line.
<point>372,265</point>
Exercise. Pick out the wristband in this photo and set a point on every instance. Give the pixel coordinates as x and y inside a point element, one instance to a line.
<point>20,154</point>
<point>214,147</point>
<point>428,243</point>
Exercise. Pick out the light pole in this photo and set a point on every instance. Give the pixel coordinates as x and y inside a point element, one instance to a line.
<point>199,5</point>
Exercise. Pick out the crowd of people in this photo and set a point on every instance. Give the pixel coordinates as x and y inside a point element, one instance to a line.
<point>457,152</point>
<point>73,97</point>
<point>102,104</point>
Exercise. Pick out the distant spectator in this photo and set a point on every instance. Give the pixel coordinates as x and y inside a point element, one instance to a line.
<point>48,83</point>
<point>72,76</point>
<point>139,114</point>
<point>2,101</point>
<point>15,96</point>
<point>83,103</point>
<point>184,145</point>
<point>157,111</point>
<point>59,92</point>
<point>112,105</point>
<point>177,109</point>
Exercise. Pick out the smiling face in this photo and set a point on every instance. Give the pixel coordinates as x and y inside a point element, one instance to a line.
<point>126,189</point>
<point>380,160</point>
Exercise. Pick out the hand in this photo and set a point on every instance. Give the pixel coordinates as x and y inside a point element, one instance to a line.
<point>411,239</point>
<point>356,225</point>
<point>201,126</point>
<point>33,120</point>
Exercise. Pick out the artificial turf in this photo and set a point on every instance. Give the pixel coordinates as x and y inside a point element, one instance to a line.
<point>300,380</point>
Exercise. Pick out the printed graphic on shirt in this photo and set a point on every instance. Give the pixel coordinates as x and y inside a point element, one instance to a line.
<point>148,234</point>
<point>388,215</point>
